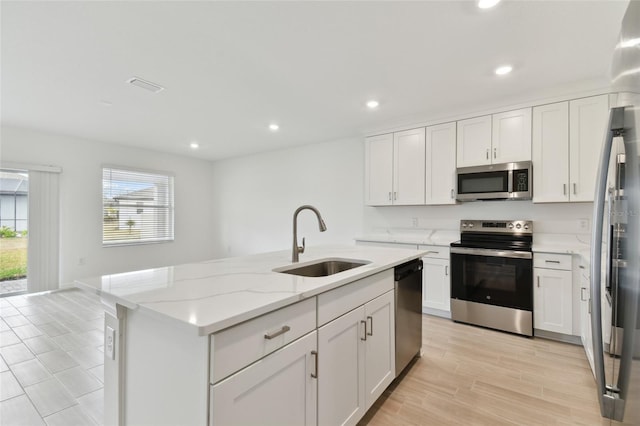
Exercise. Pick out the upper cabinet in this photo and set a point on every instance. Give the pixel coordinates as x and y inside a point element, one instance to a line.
<point>395,168</point>
<point>567,137</point>
<point>440,176</point>
<point>587,123</point>
<point>474,141</point>
<point>494,139</point>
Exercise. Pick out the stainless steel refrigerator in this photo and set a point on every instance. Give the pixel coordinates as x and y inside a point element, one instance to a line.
<point>615,243</point>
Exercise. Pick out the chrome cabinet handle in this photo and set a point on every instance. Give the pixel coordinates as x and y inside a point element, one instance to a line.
<point>365,330</point>
<point>487,154</point>
<point>495,150</point>
<point>538,280</point>
<point>395,195</point>
<point>370,332</point>
<point>389,195</point>
<point>315,373</point>
<point>452,195</point>
<point>575,191</point>
<point>283,330</point>
<point>552,261</point>
<point>564,189</point>
<point>446,270</point>
<point>582,289</point>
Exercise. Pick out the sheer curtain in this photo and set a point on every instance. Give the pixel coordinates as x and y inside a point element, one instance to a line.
<point>43,252</point>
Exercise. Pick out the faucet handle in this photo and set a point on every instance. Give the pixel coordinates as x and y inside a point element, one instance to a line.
<point>301,248</point>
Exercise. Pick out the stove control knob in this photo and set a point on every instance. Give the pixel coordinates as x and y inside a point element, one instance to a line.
<point>471,225</point>
<point>526,226</point>
<point>464,225</point>
<point>510,225</point>
<point>518,226</point>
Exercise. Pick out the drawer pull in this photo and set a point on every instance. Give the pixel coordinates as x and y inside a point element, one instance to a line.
<point>365,331</point>
<point>538,280</point>
<point>283,330</point>
<point>370,332</point>
<point>582,294</point>
<point>552,261</point>
<point>315,373</point>
<point>432,252</point>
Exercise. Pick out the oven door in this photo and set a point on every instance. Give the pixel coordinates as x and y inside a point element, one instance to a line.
<point>495,277</point>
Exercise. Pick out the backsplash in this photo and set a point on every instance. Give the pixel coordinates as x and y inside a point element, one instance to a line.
<point>551,218</point>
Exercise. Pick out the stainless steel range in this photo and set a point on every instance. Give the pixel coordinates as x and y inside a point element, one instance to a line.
<point>492,275</point>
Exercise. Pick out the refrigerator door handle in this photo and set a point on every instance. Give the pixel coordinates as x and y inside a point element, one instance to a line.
<point>611,403</point>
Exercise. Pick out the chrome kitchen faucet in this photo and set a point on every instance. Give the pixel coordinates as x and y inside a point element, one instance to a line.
<point>300,249</point>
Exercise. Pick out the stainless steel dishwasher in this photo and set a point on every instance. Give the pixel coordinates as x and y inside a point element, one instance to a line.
<point>408,286</point>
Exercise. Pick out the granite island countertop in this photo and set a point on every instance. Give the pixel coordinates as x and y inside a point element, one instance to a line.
<point>212,295</point>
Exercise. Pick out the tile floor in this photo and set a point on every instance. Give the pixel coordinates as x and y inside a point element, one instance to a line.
<point>51,359</point>
<point>10,287</point>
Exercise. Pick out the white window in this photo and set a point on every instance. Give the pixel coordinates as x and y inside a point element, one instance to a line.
<point>137,207</point>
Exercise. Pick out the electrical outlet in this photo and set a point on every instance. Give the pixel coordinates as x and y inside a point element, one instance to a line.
<point>110,343</point>
<point>583,224</point>
<point>414,222</point>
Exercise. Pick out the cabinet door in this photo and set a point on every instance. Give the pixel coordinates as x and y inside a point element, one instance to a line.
<point>552,304</point>
<point>587,124</point>
<point>473,141</point>
<point>277,390</point>
<point>380,368</point>
<point>341,360</point>
<point>511,139</point>
<point>441,164</point>
<point>585,319</point>
<point>378,170</point>
<point>409,167</point>
<point>436,286</point>
<point>550,154</point>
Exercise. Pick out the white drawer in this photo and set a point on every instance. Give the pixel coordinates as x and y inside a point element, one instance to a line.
<point>438,252</point>
<point>240,345</point>
<point>552,261</point>
<point>343,299</point>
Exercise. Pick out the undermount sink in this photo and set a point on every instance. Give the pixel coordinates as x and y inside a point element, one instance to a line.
<point>321,268</point>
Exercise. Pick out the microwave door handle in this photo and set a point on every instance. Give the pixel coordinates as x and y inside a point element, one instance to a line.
<point>510,183</point>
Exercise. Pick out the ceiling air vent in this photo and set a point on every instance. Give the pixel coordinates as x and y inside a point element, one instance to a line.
<point>147,85</point>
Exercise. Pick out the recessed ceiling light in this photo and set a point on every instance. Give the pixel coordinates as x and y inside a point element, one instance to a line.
<point>194,145</point>
<point>505,69</point>
<point>273,127</point>
<point>486,4</point>
<point>372,104</point>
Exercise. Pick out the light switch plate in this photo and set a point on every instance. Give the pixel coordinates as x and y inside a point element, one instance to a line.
<point>110,343</point>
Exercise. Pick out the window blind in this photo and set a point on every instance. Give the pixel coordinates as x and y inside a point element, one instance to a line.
<point>137,207</point>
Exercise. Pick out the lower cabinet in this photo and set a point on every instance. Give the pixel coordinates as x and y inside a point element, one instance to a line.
<point>357,361</point>
<point>436,281</point>
<point>585,314</point>
<point>552,293</point>
<point>279,389</point>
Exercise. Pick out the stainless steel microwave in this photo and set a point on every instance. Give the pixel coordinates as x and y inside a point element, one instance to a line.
<point>507,181</point>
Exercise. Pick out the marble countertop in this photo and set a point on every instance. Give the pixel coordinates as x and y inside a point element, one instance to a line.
<point>212,295</point>
<point>430,237</point>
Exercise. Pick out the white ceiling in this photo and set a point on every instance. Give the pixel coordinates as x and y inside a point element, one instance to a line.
<point>231,68</point>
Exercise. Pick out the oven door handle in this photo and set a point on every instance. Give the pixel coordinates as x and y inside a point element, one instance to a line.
<point>492,253</point>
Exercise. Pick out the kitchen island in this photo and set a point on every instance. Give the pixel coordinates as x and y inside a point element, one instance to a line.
<point>231,341</point>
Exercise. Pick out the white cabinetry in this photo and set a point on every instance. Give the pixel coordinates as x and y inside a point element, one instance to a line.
<point>552,301</point>
<point>511,136</point>
<point>585,312</point>
<point>474,141</point>
<point>550,152</point>
<point>440,176</point>
<point>494,139</point>
<point>395,168</point>
<point>587,124</point>
<point>436,281</point>
<point>279,389</point>
<point>567,137</point>
<point>356,349</point>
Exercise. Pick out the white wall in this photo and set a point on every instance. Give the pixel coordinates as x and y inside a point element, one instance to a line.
<point>255,197</point>
<point>81,201</point>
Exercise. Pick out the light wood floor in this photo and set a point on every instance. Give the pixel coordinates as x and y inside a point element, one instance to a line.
<point>473,376</point>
